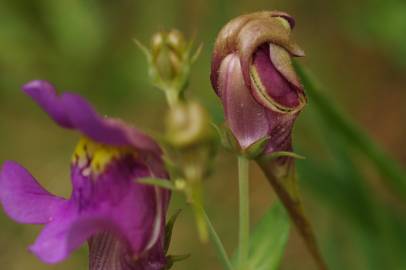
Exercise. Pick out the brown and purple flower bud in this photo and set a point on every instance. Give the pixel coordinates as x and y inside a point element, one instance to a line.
<point>253,75</point>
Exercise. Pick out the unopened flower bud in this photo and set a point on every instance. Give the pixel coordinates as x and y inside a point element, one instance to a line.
<point>253,75</point>
<point>188,124</point>
<point>261,94</point>
<point>170,58</point>
<point>167,54</point>
<point>176,41</point>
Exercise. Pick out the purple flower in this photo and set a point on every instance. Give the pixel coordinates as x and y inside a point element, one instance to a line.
<point>122,220</point>
<point>253,75</point>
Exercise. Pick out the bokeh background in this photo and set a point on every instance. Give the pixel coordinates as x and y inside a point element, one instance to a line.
<point>353,190</point>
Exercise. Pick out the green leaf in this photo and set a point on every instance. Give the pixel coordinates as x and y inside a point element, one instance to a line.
<point>340,186</point>
<point>268,241</point>
<point>395,175</point>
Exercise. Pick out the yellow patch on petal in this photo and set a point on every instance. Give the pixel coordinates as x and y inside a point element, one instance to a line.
<point>96,156</point>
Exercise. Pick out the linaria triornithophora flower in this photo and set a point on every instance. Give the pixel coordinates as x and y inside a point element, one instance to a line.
<point>122,220</point>
<point>261,94</point>
<point>253,75</point>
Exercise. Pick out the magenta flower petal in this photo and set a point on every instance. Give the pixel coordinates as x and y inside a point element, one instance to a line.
<point>129,212</point>
<point>245,117</point>
<point>23,198</point>
<point>135,211</point>
<point>71,111</point>
<point>70,229</point>
<point>51,246</point>
<point>45,95</point>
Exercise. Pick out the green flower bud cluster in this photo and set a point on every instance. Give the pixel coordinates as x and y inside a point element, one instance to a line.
<point>188,124</point>
<point>189,137</point>
<point>167,54</point>
<point>170,59</point>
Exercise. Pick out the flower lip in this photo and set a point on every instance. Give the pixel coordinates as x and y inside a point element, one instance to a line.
<point>271,87</point>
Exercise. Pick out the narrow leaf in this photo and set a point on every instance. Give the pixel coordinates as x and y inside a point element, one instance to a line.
<point>169,228</point>
<point>395,175</point>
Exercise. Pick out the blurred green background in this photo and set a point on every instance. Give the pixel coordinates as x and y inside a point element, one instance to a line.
<point>353,193</point>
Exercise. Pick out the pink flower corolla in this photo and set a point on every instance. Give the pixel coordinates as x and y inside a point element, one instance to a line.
<point>253,75</point>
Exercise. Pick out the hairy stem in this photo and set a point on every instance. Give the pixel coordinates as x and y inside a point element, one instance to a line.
<point>283,180</point>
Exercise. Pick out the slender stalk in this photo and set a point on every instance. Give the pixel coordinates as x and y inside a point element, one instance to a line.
<point>284,184</point>
<point>196,197</point>
<point>172,97</point>
<point>221,252</point>
<point>244,230</point>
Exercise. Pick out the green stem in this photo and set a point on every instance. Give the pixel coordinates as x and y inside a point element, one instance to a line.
<point>221,252</point>
<point>244,230</point>
<point>172,97</point>
<point>196,197</point>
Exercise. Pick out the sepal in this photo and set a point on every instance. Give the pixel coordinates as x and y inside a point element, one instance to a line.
<point>172,259</point>
<point>227,138</point>
<point>188,125</point>
<point>230,142</point>
<point>257,148</point>
<point>168,229</point>
<point>278,154</point>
